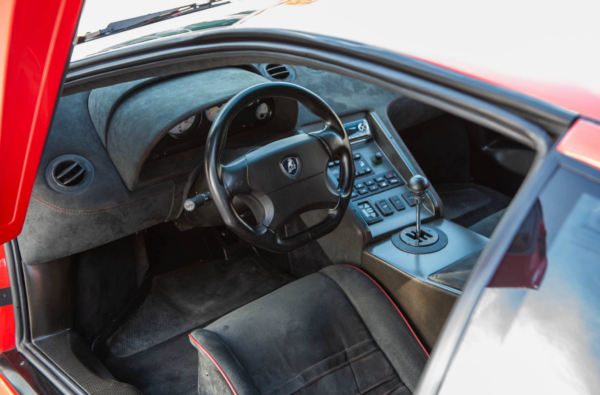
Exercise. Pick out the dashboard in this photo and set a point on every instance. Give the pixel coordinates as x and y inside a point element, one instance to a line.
<point>155,128</point>
<point>140,147</point>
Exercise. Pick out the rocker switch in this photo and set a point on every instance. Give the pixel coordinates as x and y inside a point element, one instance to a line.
<point>384,207</point>
<point>369,213</point>
<point>397,203</point>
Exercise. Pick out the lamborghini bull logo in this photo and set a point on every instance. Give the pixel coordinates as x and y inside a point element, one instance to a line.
<point>291,166</point>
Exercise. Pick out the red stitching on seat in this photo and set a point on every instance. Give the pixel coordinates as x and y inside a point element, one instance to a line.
<point>216,364</point>
<point>393,304</point>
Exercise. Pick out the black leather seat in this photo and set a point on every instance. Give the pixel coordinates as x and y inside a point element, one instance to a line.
<point>333,332</point>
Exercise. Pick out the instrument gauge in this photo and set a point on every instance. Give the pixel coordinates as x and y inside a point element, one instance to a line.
<point>262,111</point>
<point>180,130</point>
<point>212,113</point>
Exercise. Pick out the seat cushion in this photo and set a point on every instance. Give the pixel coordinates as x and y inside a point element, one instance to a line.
<point>335,331</point>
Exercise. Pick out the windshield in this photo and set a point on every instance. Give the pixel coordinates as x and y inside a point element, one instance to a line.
<point>106,25</point>
<point>98,14</point>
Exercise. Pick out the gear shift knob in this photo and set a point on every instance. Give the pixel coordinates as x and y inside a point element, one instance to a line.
<point>418,187</point>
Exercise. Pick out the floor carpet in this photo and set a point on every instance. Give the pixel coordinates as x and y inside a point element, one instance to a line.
<point>151,349</point>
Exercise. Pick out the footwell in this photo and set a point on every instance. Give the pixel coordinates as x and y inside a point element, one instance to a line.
<point>150,348</point>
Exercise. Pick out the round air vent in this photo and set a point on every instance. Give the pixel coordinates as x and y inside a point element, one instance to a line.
<point>69,174</point>
<point>279,72</point>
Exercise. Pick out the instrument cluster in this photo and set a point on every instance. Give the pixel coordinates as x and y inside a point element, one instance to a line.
<point>191,132</point>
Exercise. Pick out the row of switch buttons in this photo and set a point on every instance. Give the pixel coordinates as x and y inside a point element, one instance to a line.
<point>337,162</point>
<point>370,214</point>
<point>380,182</point>
<point>361,173</point>
<point>364,171</point>
<point>385,207</point>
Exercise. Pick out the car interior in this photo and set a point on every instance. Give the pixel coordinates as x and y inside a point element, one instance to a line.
<point>215,232</point>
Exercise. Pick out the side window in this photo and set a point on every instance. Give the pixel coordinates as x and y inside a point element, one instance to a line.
<point>537,321</point>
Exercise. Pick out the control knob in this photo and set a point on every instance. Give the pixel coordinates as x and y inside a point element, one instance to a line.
<point>378,158</point>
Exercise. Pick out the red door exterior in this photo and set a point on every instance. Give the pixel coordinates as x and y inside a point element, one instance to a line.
<point>35,41</point>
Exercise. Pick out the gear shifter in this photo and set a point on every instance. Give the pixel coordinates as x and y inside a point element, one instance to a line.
<point>418,187</point>
<point>417,239</point>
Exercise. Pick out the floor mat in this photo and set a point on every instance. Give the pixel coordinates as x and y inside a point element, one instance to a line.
<point>170,367</point>
<point>468,203</point>
<point>151,349</point>
<point>459,203</point>
<point>191,297</point>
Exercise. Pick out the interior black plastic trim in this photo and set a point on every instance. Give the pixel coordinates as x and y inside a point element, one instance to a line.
<point>22,338</point>
<point>5,296</point>
<point>312,47</point>
<point>15,288</point>
<point>23,376</point>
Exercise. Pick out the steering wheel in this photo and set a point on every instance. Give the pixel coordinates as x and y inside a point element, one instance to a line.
<point>283,179</point>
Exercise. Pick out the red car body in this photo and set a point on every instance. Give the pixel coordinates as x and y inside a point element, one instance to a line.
<point>36,39</point>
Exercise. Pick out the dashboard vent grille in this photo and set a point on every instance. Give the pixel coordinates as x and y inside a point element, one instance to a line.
<point>278,71</point>
<point>69,174</point>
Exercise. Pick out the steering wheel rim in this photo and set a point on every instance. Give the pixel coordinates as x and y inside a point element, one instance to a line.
<point>246,178</point>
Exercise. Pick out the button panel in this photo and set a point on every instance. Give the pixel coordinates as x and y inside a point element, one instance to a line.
<point>368,213</point>
<point>378,194</point>
<point>375,185</point>
<point>370,197</point>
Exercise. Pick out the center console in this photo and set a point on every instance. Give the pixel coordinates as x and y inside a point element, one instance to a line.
<point>391,203</point>
<point>381,198</point>
<point>391,200</point>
